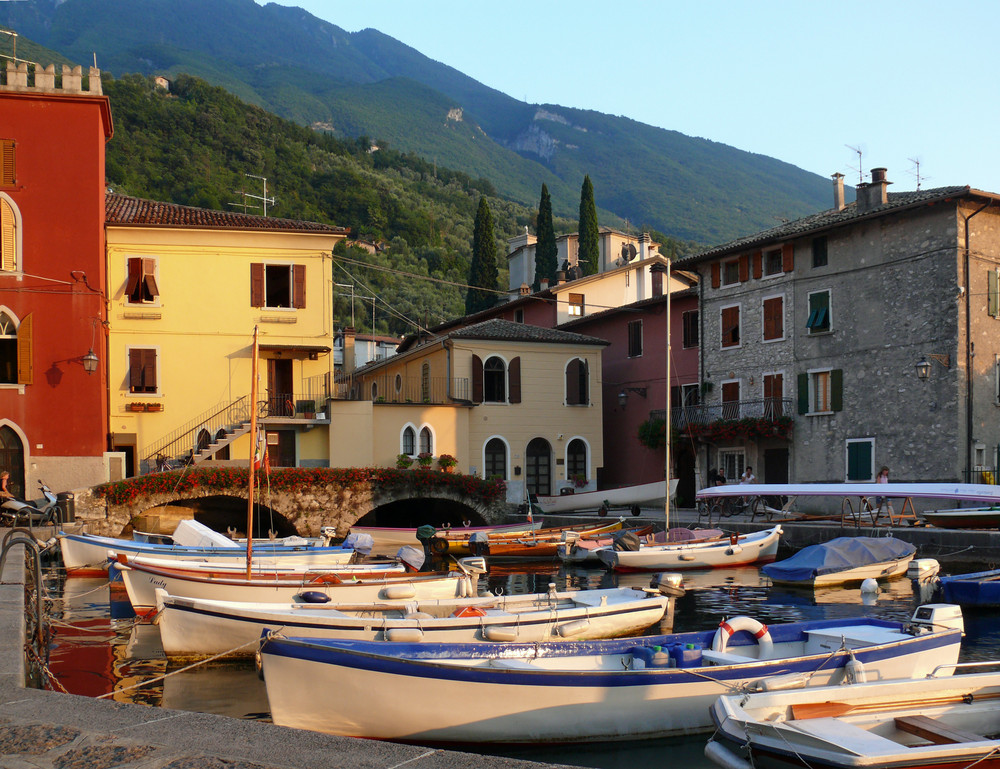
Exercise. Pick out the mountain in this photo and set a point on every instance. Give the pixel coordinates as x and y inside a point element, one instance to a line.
<point>368,84</point>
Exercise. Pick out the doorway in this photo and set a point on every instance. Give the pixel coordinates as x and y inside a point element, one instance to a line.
<point>280,398</point>
<point>12,460</point>
<point>538,467</point>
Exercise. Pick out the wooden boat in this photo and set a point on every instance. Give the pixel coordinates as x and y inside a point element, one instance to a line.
<point>270,570</point>
<point>631,497</point>
<point>540,543</point>
<point>930,723</point>
<point>193,627</point>
<point>980,588</point>
<point>568,691</point>
<point>577,549</point>
<point>737,550</point>
<point>388,539</point>
<point>964,518</point>
<point>843,561</point>
<point>141,583</point>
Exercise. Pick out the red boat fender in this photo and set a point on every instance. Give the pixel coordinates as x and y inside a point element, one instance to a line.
<point>765,646</point>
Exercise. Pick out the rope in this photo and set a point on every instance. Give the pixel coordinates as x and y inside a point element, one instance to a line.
<point>49,675</point>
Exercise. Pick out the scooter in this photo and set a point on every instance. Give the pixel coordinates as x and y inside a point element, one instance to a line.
<point>14,512</point>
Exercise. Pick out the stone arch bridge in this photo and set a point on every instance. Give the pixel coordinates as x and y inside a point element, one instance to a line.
<point>324,497</point>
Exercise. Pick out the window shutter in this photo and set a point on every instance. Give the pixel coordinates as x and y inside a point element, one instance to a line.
<point>149,370</point>
<point>716,275</point>
<point>573,382</point>
<point>788,257</point>
<point>584,394</point>
<point>149,277</point>
<point>514,380</point>
<point>256,285</point>
<point>134,276</point>
<point>7,177</point>
<point>772,318</point>
<point>298,285</point>
<point>758,267</point>
<point>993,281</point>
<point>134,370</point>
<point>837,390</point>
<point>8,238</point>
<point>477,379</point>
<point>25,351</point>
<point>803,393</point>
<point>744,268</point>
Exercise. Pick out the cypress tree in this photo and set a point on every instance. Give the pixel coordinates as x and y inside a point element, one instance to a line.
<point>546,250</point>
<point>483,272</point>
<point>588,251</point>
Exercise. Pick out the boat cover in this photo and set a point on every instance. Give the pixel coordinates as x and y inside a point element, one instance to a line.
<point>838,554</point>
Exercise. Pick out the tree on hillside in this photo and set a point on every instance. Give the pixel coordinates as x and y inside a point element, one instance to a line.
<point>546,250</point>
<point>588,250</point>
<point>483,272</point>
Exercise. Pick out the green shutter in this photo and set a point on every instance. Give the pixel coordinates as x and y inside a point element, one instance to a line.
<point>993,279</point>
<point>859,461</point>
<point>837,390</point>
<point>803,393</point>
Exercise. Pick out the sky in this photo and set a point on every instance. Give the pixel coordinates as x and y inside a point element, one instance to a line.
<point>912,86</point>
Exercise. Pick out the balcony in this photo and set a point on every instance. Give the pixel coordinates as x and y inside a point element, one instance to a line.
<point>753,419</point>
<point>395,388</point>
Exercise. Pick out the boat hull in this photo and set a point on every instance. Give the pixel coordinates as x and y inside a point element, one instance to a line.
<point>389,539</point>
<point>980,589</point>
<point>759,547</point>
<point>593,500</point>
<point>883,570</point>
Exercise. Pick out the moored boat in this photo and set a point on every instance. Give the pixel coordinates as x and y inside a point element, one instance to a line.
<point>625,496</point>
<point>388,539</point>
<point>541,543</point>
<point>979,588</point>
<point>587,691</point>
<point>842,561</point>
<point>737,550</point>
<point>964,518</point>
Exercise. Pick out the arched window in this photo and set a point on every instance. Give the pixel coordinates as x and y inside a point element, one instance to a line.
<point>222,453</point>
<point>494,381</point>
<point>8,349</point>
<point>577,383</point>
<point>204,439</point>
<point>426,441</point>
<point>374,390</point>
<point>409,442</point>
<point>8,236</point>
<point>12,460</point>
<point>576,459</point>
<point>495,456</point>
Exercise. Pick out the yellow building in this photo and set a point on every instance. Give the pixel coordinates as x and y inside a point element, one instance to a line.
<point>507,400</point>
<point>185,288</point>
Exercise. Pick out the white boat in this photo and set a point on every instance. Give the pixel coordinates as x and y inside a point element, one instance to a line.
<point>625,496</point>
<point>737,550</point>
<point>970,492</point>
<point>587,691</point>
<point>258,568</point>
<point>192,627</point>
<point>141,583</point>
<point>939,722</point>
<point>842,561</point>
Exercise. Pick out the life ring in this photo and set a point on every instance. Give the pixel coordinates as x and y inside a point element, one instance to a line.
<point>765,646</point>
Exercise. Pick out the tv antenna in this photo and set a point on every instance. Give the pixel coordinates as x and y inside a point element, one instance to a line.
<point>354,297</point>
<point>915,171</point>
<point>860,168</point>
<point>264,199</point>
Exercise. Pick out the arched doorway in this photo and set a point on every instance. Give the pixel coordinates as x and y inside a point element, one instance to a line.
<point>12,460</point>
<point>538,467</point>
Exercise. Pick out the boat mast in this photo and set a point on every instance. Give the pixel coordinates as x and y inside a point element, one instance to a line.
<point>253,449</point>
<point>666,441</point>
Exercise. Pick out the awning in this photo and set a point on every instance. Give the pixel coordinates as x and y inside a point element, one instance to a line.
<point>294,351</point>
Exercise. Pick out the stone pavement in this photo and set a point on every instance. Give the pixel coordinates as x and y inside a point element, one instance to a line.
<point>50,730</point>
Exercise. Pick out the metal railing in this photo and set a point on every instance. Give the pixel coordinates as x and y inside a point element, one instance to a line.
<point>182,443</point>
<point>394,388</point>
<point>707,413</point>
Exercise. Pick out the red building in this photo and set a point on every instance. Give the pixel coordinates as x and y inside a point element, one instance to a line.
<point>53,387</point>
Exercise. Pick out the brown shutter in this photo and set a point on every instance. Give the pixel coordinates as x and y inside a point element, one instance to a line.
<point>149,370</point>
<point>134,370</point>
<point>514,380</point>
<point>716,275</point>
<point>573,382</point>
<point>134,276</point>
<point>149,277</point>
<point>298,285</point>
<point>758,269</point>
<point>477,379</point>
<point>7,177</point>
<point>8,238</point>
<point>256,285</point>
<point>744,268</point>
<point>25,351</point>
<point>773,318</point>
<point>788,257</point>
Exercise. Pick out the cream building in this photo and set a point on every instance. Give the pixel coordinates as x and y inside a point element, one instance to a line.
<point>185,288</point>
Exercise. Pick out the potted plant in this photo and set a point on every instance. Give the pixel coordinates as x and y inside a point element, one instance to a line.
<point>137,407</point>
<point>308,409</point>
<point>579,480</point>
<point>154,407</point>
<point>447,463</point>
<point>404,461</point>
<point>425,459</point>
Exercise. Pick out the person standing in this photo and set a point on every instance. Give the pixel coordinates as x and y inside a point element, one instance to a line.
<point>883,477</point>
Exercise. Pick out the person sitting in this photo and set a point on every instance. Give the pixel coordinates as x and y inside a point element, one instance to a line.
<point>748,476</point>
<point>5,492</point>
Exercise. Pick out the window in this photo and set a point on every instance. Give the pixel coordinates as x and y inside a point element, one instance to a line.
<point>731,463</point>
<point>773,395</point>
<point>278,285</point>
<point>374,391</point>
<point>577,381</point>
<point>996,379</point>
<point>860,460</point>
<point>634,338</point>
<point>8,177</point>
<point>731,400</point>
<point>684,395</point>
<point>576,459</point>
<point>426,441</point>
<point>819,251</point>
<point>8,236</point>
<point>495,459</point>
<point>731,272</point>
<point>576,304</point>
<point>494,381</point>
<point>819,312</point>
<point>773,263</point>
<point>773,310</point>
<point>142,370</point>
<point>993,290</point>
<point>519,316</point>
<point>690,324</point>
<point>141,283</point>
<point>408,444</point>
<point>398,383</point>
<point>821,391</point>
<point>8,349</point>
<point>731,326</point>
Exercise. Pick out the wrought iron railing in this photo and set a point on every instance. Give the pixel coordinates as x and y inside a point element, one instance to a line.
<point>395,388</point>
<point>182,443</point>
<point>707,413</point>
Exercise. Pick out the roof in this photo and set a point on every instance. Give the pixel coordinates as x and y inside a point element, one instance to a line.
<point>508,331</point>
<point>127,210</point>
<point>832,218</point>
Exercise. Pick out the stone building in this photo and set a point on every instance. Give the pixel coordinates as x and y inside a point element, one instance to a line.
<point>873,327</point>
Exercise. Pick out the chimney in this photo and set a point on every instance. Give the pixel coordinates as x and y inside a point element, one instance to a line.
<point>838,192</point>
<point>560,277</point>
<point>349,364</point>
<point>544,284</point>
<point>875,193</point>
<point>643,245</point>
<point>524,290</point>
<point>656,277</point>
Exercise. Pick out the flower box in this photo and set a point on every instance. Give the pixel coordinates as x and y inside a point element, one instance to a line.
<point>154,407</point>
<point>136,407</point>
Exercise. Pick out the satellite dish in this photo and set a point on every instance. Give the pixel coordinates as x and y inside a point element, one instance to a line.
<point>631,253</point>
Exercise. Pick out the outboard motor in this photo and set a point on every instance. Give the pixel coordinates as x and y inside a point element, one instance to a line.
<point>412,557</point>
<point>668,584</point>
<point>937,616</point>
<point>626,540</point>
<point>479,543</point>
<point>361,543</point>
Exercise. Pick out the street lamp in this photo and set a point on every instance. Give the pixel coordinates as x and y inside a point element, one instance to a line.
<point>923,369</point>
<point>623,395</point>
<point>90,361</point>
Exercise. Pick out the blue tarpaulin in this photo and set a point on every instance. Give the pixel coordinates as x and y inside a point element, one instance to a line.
<point>836,555</point>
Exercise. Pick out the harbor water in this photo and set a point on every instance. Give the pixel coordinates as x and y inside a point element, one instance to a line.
<point>98,648</point>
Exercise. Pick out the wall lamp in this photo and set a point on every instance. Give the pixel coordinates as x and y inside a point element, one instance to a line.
<point>623,395</point>
<point>924,366</point>
<point>89,361</point>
